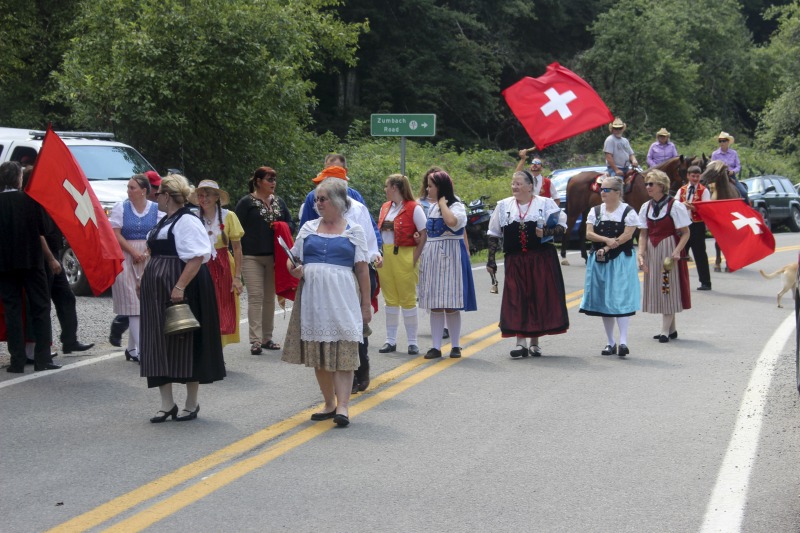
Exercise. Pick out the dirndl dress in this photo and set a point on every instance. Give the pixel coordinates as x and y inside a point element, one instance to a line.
<point>445,272</point>
<point>188,357</point>
<point>221,267</point>
<point>326,325</point>
<point>611,288</point>
<point>664,293</point>
<point>134,229</point>
<point>534,301</point>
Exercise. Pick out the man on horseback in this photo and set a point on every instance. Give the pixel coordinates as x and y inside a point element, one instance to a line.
<point>618,151</point>
<point>541,186</point>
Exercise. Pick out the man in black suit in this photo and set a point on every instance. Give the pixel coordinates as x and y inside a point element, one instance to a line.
<point>22,269</point>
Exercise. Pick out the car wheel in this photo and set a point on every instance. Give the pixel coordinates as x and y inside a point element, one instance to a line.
<point>74,272</point>
<point>794,220</point>
<point>765,215</point>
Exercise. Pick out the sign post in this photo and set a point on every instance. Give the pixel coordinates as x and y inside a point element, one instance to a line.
<point>403,125</point>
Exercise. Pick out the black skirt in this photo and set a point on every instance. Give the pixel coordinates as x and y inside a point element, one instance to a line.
<point>189,357</point>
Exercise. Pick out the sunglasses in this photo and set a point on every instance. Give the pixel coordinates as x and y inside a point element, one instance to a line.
<point>320,199</point>
<point>723,141</point>
<point>608,189</point>
<point>159,193</point>
<point>536,162</point>
<point>650,184</point>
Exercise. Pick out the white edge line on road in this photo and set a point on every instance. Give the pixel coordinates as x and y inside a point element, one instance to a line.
<point>37,375</point>
<point>725,510</point>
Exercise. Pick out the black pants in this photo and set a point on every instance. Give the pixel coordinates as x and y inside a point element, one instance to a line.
<point>697,244</point>
<point>64,302</point>
<point>363,347</point>
<point>34,284</point>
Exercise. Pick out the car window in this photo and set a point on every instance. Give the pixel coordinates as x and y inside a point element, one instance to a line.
<point>109,162</point>
<point>785,184</point>
<point>767,184</point>
<point>754,186</point>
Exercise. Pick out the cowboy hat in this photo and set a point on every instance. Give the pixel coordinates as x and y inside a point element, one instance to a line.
<point>662,133</point>
<point>224,197</point>
<point>617,124</point>
<point>725,135</point>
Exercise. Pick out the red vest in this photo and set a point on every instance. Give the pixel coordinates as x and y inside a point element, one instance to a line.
<point>698,195</point>
<point>404,227</point>
<point>545,190</point>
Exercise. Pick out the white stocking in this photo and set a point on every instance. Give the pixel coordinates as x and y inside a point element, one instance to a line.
<point>608,323</point>
<point>411,321</point>
<point>392,323</point>
<point>437,328</point>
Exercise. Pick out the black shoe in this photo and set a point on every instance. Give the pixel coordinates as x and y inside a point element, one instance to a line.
<point>29,361</point>
<point>535,351</point>
<point>16,369</point>
<point>48,366</point>
<point>118,327</point>
<point>323,416</point>
<point>191,416</point>
<point>446,333</point>
<point>663,338</point>
<point>610,350</point>
<point>363,379</point>
<point>171,413</point>
<point>354,388</point>
<point>673,335</point>
<point>387,348</point>
<point>341,420</point>
<point>413,349</point>
<point>76,347</point>
<point>704,287</point>
<point>129,357</point>
<point>433,353</point>
<point>455,353</point>
<point>519,351</point>
<point>623,350</point>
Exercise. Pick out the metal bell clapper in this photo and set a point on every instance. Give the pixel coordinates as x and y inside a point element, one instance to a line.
<point>178,319</point>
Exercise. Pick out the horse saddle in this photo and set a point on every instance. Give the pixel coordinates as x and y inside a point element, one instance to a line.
<point>627,182</point>
<point>597,182</point>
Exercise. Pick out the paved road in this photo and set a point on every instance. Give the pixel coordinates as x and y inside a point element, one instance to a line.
<point>700,434</point>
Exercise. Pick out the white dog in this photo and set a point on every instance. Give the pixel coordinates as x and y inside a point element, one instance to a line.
<point>788,276</point>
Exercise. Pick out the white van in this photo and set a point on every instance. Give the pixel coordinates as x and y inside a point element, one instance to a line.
<point>107,164</point>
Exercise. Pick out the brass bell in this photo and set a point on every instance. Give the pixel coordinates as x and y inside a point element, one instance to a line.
<point>178,319</point>
<point>669,263</point>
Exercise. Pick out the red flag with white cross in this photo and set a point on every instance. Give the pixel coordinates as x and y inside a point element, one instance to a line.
<point>59,185</point>
<point>556,106</point>
<point>739,230</point>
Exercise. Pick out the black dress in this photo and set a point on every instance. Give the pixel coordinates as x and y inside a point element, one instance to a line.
<point>187,357</point>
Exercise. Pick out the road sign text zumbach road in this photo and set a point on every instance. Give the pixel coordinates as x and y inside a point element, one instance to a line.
<point>403,125</point>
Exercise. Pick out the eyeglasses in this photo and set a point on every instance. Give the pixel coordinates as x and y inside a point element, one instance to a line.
<point>159,193</point>
<point>608,189</point>
<point>723,141</point>
<point>649,183</point>
<point>320,199</point>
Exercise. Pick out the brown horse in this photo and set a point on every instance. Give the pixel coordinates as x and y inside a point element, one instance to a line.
<point>581,198</point>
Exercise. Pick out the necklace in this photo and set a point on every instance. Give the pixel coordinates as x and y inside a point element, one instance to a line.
<point>521,214</point>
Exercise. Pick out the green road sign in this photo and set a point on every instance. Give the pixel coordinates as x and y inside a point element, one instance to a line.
<point>403,125</point>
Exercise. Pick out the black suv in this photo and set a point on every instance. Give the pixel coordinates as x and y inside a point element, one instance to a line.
<point>776,199</point>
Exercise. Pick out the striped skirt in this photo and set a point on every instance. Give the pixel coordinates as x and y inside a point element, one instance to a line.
<point>665,293</point>
<point>123,292</point>
<point>184,358</point>
<point>445,275</point>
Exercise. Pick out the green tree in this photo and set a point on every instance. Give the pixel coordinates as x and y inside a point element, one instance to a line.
<point>215,87</point>
<point>674,63</point>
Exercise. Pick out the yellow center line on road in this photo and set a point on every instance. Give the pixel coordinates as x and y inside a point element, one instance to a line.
<point>169,506</point>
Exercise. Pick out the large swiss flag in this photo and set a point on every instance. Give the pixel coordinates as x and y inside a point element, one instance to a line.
<point>739,230</point>
<point>556,106</point>
<point>58,184</point>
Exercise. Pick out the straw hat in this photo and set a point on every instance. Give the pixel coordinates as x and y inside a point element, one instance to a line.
<point>617,124</point>
<point>224,197</point>
<point>725,135</point>
<point>662,132</point>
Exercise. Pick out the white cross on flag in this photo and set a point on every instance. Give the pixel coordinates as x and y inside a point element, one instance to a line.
<point>556,106</point>
<point>739,230</point>
<point>58,184</point>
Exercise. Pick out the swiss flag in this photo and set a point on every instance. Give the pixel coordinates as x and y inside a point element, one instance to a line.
<point>556,106</point>
<point>739,230</point>
<point>58,184</point>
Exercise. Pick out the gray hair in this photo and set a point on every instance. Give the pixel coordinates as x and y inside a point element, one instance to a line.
<point>616,182</point>
<point>337,193</point>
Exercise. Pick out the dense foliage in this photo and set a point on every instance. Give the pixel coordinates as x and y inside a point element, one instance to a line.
<point>218,87</point>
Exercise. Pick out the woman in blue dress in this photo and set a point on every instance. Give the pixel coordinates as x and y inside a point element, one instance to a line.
<point>612,289</point>
<point>445,273</point>
<point>332,303</point>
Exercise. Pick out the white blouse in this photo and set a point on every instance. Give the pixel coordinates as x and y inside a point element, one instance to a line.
<point>191,238</point>
<point>419,221</point>
<point>509,211</point>
<point>118,212</point>
<point>680,216</point>
<point>632,219</point>
<point>458,210</point>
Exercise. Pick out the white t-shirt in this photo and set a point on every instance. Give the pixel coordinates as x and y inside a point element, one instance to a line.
<point>359,214</point>
<point>419,221</point>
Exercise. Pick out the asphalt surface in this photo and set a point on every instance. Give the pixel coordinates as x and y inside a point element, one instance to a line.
<point>572,441</point>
